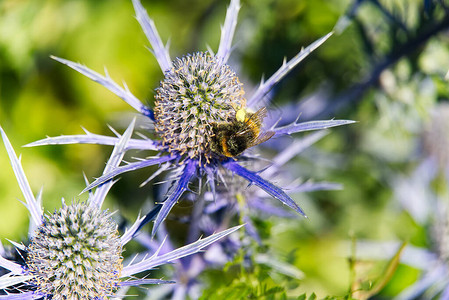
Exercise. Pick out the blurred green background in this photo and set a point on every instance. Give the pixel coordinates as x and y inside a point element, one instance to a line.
<point>364,73</point>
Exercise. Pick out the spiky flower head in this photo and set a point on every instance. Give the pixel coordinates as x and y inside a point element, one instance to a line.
<point>197,91</point>
<point>76,254</point>
<point>201,116</point>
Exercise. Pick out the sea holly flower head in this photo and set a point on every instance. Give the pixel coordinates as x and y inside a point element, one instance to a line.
<point>201,115</point>
<point>76,252</point>
<point>197,92</point>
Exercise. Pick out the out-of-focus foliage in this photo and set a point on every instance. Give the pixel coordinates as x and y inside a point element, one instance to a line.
<point>384,67</point>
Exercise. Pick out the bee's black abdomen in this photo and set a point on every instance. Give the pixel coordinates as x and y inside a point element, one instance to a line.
<point>231,139</point>
<point>239,143</point>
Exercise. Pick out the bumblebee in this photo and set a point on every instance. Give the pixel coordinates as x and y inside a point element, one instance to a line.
<point>232,138</point>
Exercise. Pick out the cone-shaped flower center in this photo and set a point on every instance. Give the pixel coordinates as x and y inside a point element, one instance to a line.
<point>76,254</point>
<point>196,92</point>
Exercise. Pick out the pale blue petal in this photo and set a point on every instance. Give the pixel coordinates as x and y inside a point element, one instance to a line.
<point>179,291</point>
<point>190,249</point>
<point>130,232</point>
<point>127,168</point>
<point>307,126</point>
<point>161,169</point>
<point>31,204</point>
<point>114,161</point>
<point>148,27</point>
<point>180,187</point>
<point>108,83</point>
<point>268,187</point>
<point>150,216</point>
<point>91,138</point>
<point>2,249</point>
<point>251,229</point>
<point>137,282</point>
<point>279,266</point>
<point>413,193</point>
<point>316,186</point>
<point>215,206</point>
<point>23,296</point>
<point>145,239</point>
<point>269,209</point>
<point>10,265</point>
<point>211,180</point>
<point>445,293</point>
<point>416,257</point>
<point>430,278</point>
<point>265,87</point>
<point>7,280</point>
<point>19,246</point>
<point>227,31</point>
<point>33,226</point>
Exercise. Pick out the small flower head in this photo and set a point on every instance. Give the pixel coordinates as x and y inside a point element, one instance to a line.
<point>197,91</point>
<point>76,254</point>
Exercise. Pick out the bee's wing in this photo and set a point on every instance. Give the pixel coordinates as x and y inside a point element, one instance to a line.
<point>258,116</point>
<point>264,136</point>
<point>242,131</point>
